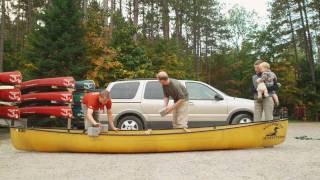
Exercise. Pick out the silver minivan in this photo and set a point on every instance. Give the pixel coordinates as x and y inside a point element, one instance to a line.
<point>136,105</point>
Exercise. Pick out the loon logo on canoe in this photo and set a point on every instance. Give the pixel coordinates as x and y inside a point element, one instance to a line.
<point>15,78</point>
<point>15,96</point>
<point>272,131</point>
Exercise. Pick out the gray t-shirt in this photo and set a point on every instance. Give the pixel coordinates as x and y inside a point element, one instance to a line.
<point>175,90</point>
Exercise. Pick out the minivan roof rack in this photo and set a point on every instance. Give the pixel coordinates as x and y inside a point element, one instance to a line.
<point>133,79</point>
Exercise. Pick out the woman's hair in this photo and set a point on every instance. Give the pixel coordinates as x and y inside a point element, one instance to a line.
<point>105,94</point>
<point>265,65</point>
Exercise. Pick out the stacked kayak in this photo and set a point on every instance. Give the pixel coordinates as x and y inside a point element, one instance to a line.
<point>43,102</point>
<point>46,99</point>
<point>10,95</point>
<point>48,85</point>
<point>11,78</point>
<point>9,112</point>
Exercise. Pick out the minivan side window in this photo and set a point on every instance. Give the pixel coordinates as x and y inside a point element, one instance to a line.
<point>153,90</point>
<point>199,91</point>
<point>126,90</point>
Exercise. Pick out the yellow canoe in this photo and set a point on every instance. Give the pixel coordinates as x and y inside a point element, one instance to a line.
<point>260,134</point>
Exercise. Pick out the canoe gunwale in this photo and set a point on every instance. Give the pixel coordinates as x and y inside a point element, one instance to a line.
<point>143,133</point>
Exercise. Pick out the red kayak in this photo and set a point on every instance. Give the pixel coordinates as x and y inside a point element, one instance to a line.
<point>9,112</point>
<point>57,111</point>
<point>12,78</point>
<point>10,95</point>
<point>63,97</point>
<point>67,82</point>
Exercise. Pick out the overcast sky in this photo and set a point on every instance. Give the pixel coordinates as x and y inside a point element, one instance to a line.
<point>260,6</point>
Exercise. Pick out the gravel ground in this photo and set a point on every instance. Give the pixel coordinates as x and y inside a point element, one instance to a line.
<point>295,159</point>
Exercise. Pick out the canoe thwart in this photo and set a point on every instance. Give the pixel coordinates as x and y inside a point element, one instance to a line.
<point>148,132</point>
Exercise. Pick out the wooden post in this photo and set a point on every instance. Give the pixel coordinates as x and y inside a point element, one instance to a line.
<point>69,124</point>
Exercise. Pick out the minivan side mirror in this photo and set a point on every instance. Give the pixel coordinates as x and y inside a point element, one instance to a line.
<point>218,97</point>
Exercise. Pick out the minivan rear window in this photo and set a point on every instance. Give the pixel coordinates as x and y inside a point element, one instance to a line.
<point>126,90</point>
<point>153,90</point>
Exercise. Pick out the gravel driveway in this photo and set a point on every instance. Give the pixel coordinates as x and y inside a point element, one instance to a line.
<point>295,159</point>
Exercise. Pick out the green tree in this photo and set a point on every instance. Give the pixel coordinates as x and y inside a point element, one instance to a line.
<point>57,46</point>
<point>105,67</point>
<point>130,55</point>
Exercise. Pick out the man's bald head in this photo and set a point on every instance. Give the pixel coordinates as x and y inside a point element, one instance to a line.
<point>162,75</point>
<point>163,78</point>
<point>104,96</point>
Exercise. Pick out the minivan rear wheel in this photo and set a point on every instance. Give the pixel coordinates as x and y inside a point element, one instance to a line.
<point>242,119</point>
<point>130,123</point>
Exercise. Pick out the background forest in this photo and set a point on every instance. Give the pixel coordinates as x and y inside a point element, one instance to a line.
<point>107,40</point>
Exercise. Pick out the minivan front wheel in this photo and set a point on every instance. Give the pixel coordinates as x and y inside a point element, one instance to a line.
<point>242,119</point>
<point>130,123</point>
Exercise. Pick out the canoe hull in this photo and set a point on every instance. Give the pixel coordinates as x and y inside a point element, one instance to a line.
<point>254,135</point>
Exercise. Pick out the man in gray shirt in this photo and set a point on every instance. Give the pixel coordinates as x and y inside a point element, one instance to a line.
<point>266,106</point>
<point>174,89</point>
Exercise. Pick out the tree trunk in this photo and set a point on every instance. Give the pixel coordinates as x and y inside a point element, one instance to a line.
<point>178,24</point>
<point>151,30</point>
<point>112,11</point>
<point>165,19</point>
<point>309,40</point>
<point>120,6</point>
<point>135,17</point>
<point>105,5</point>
<point>293,41</point>
<point>306,44</point>
<point>113,6</point>
<point>143,13</point>
<point>3,14</point>
<point>17,35</point>
<point>130,10</point>
<point>199,53</point>
<point>195,40</point>
<point>206,57</point>
<point>135,12</point>
<point>194,44</point>
<point>210,65</point>
<point>85,8</point>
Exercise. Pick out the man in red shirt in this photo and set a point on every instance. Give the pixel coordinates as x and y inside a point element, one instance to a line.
<point>92,103</point>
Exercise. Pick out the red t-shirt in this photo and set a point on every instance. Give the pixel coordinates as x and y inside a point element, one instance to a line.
<point>91,100</point>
